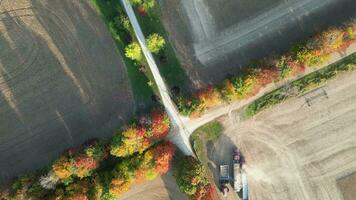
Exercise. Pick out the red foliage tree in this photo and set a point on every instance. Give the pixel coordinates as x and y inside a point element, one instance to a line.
<point>209,193</point>
<point>163,155</point>
<point>84,165</point>
<point>160,124</point>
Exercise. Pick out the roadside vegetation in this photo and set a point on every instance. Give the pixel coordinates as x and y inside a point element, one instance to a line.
<point>204,134</point>
<point>192,179</point>
<point>101,170</point>
<point>301,86</point>
<point>149,16</point>
<point>310,54</point>
<point>192,174</point>
<point>118,24</point>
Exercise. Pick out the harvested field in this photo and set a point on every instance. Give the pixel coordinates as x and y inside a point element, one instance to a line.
<point>62,81</point>
<point>347,187</point>
<point>295,151</point>
<point>162,188</point>
<point>214,39</point>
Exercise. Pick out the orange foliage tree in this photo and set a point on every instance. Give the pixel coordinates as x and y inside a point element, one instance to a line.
<point>79,163</point>
<point>137,138</point>
<point>163,155</point>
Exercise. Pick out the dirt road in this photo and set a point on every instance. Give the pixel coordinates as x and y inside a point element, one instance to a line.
<point>62,81</point>
<point>295,151</point>
<point>179,135</point>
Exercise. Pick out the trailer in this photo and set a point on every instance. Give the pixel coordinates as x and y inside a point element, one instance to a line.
<point>224,179</point>
<point>237,170</point>
<point>244,185</point>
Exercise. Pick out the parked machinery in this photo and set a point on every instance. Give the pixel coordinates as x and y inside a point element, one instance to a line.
<point>224,179</point>
<point>237,170</point>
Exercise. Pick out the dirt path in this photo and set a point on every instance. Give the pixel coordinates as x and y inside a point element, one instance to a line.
<point>214,113</point>
<point>62,81</point>
<point>179,135</point>
<point>294,151</point>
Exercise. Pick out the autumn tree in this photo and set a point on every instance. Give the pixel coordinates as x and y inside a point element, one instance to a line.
<point>135,2</point>
<point>244,85</point>
<point>133,51</point>
<point>160,124</point>
<point>137,138</point>
<point>63,169</point>
<point>190,176</point>
<point>208,97</point>
<point>155,43</point>
<point>129,141</point>
<point>163,155</point>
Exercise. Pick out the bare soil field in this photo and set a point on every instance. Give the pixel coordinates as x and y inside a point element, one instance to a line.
<point>162,188</point>
<point>215,39</point>
<point>62,81</point>
<point>295,151</point>
<point>347,187</point>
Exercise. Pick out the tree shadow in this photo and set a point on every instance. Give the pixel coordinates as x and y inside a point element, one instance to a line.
<point>172,187</point>
<point>220,153</point>
<point>54,117</point>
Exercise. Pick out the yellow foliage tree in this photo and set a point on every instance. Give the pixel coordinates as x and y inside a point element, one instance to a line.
<point>62,168</point>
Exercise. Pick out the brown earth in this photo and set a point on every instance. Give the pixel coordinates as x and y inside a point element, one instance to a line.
<point>62,81</point>
<point>214,39</point>
<point>347,187</point>
<point>295,151</point>
<point>162,188</point>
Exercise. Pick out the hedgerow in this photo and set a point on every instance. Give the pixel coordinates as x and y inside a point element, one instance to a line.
<point>90,172</point>
<point>308,54</point>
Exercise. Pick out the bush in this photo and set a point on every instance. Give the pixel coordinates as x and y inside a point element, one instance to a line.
<point>191,178</point>
<point>133,51</point>
<point>137,138</point>
<point>155,43</point>
<point>136,2</point>
<point>148,4</point>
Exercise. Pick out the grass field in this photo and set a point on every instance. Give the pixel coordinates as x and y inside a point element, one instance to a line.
<point>171,70</point>
<point>139,81</point>
<point>207,133</point>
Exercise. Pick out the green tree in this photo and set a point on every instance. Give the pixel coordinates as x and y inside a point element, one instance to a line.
<point>136,2</point>
<point>155,43</point>
<point>190,176</point>
<point>148,4</point>
<point>133,51</point>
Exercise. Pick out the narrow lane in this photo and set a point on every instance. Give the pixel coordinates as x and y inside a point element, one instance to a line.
<point>183,127</point>
<point>179,134</point>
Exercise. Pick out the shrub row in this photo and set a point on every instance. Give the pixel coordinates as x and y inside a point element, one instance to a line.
<point>80,171</point>
<point>301,86</point>
<point>311,53</point>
